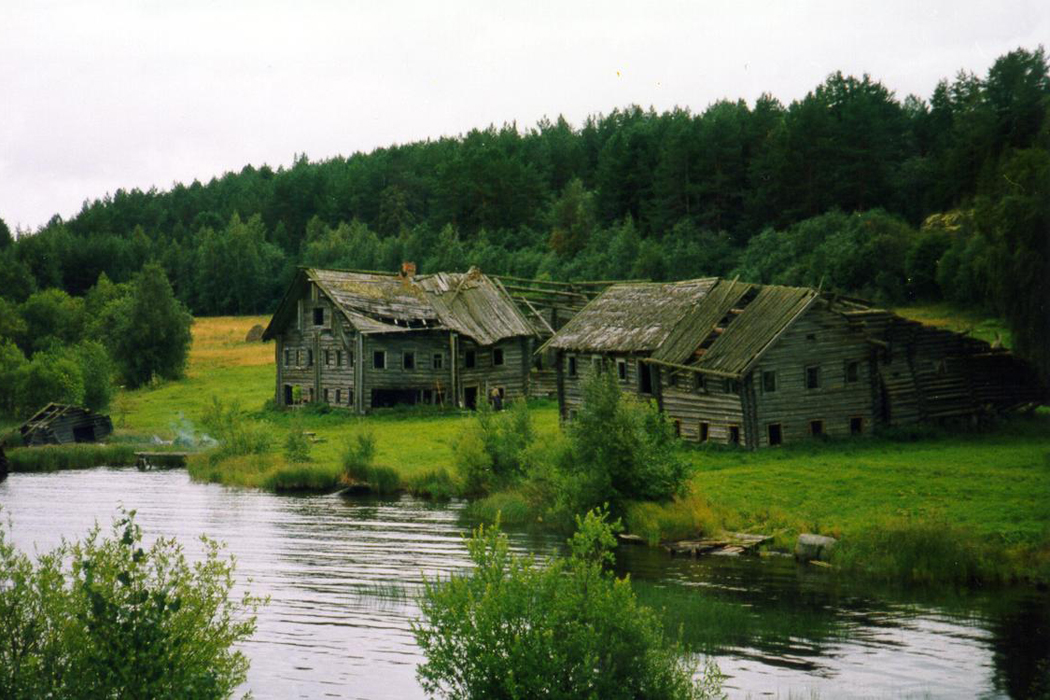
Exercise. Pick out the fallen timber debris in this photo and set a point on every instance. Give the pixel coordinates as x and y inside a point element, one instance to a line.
<point>729,544</point>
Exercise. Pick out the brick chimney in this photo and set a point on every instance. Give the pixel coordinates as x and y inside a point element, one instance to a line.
<point>408,270</point>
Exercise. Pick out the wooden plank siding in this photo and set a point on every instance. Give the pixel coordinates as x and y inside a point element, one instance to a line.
<point>823,340</point>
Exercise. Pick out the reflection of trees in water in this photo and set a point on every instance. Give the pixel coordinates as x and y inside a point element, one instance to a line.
<point>1021,646</point>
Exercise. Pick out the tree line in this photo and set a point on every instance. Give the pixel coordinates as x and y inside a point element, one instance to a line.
<point>917,198</point>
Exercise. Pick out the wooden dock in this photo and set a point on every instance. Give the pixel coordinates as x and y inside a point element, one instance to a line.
<point>146,461</point>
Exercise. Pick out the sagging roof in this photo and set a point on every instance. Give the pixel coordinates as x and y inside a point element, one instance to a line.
<point>719,325</point>
<point>469,303</point>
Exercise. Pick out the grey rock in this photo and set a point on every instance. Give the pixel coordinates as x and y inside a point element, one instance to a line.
<point>814,547</point>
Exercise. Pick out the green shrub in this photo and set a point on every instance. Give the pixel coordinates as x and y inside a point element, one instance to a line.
<point>236,433</point>
<point>105,618</point>
<point>564,629</point>
<point>359,452</point>
<point>685,517</point>
<point>297,444</point>
<point>508,507</point>
<point>619,449</point>
<point>491,452</point>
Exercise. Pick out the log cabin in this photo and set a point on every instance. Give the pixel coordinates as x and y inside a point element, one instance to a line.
<point>365,340</point>
<point>764,365</point>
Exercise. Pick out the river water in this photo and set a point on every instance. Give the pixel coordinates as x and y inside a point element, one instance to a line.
<point>338,622</point>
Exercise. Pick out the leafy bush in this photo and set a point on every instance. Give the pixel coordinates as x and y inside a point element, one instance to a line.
<point>618,449</point>
<point>105,618</point>
<point>436,484</point>
<point>564,629</point>
<point>297,444</point>
<point>236,433</point>
<point>358,465</point>
<point>492,451</point>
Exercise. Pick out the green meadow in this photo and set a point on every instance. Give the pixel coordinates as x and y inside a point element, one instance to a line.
<point>989,486</point>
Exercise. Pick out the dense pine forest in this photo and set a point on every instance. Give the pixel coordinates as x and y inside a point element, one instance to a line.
<point>852,188</point>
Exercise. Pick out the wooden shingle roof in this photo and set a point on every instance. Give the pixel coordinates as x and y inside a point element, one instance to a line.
<point>469,303</point>
<point>719,325</point>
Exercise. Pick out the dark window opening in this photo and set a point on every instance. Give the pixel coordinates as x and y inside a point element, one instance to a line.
<point>645,378</point>
<point>856,426</point>
<point>730,386</point>
<point>852,371</point>
<point>338,358</point>
<point>326,395</point>
<point>811,336</point>
<point>774,434</point>
<point>319,316</point>
<point>813,377</point>
<point>438,361</point>
<point>572,366</point>
<point>497,356</point>
<point>338,396</point>
<point>537,361</point>
<point>816,428</point>
<point>83,433</point>
<point>734,435</point>
<point>379,359</point>
<point>309,358</point>
<point>287,358</point>
<point>470,359</point>
<point>408,360</point>
<point>572,414</point>
<point>350,359</point>
<point>704,427</point>
<point>769,381</point>
<point>677,428</point>
<point>621,370</point>
<point>385,398</point>
<point>327,357</point>
<point>699,382</point>
<point>289,397</point>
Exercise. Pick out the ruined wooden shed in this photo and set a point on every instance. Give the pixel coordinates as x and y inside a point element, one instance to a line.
<point>761,365</point>
<point>60,424</point>
<point>366,340</point>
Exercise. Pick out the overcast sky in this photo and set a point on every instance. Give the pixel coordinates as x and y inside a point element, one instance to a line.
<point>96,96</point>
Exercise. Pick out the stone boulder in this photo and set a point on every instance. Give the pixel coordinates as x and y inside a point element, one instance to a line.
<point>814,547</point>
<point>255,334</point>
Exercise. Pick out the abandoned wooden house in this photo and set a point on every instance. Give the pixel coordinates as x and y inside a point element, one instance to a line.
<point>761,365</point>
<point>369,340</point>
<point>60,424</point>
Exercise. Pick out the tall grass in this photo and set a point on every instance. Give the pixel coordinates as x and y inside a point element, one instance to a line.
<point>358,465</point>
<point>684,517</point>
<point>511,507</point>
<point>49,458</point>
<point>911,551</point>
<point>435,484</point>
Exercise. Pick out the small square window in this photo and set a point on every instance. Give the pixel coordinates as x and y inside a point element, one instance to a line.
<point>852,371</point>
<point>572,366</point>
<point>319,316</point>
<point>811,337</point>
<point>621,370</point>
<point>769,381</point>
<point>408,360</point>
<point>816,428</point>
<point>379,359</point>
<point>813,377</point>
<point>438,361</point>
<point>497,356</point>
<point>470,360</point>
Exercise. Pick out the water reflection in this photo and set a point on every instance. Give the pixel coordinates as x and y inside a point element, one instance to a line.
<point>342,574</point>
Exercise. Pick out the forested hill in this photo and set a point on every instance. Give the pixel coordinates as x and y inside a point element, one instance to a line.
<point>853,186</point>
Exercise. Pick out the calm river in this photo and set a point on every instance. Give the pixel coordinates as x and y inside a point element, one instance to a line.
<point>334,629</point>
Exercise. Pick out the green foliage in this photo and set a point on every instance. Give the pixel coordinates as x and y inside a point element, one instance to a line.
<point>927,550</point>
<point>435,484</point>
<point>493,450</point>
<point>565,629</point>
<point>49,376</point>
<point>51,317</point>
<point>11,362</point>
<point>152,333</point>
<point>107,618</point>
<point>297,444</point>
<point>358,459</point>
<point>49,458</point>
<point>619,449</point>
<point>237,434</point>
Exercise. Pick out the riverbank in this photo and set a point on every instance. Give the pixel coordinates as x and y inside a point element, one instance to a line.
<point>988,486</point>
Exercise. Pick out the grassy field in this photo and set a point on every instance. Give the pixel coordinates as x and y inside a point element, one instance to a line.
<point>992,484</point>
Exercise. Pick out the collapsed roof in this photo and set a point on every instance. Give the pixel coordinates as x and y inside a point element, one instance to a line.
<point>469,303</point>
